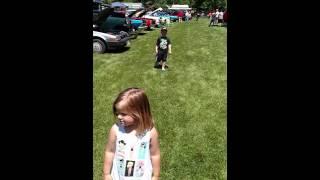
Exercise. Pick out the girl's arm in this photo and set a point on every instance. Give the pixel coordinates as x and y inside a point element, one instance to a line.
<point>109,153</point>
<point>155,154</point>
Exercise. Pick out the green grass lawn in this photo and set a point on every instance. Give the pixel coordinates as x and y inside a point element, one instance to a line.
<point>188,101</point>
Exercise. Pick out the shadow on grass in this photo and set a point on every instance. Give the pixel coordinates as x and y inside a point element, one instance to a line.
<point>151,29</point>
<point>142,33</point>
<point>120,50</point>
<point>158,66</point>
<point>218,26</point>
<point>134,36</point>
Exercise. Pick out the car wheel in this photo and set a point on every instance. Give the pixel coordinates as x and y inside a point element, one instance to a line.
<point>99,46</point>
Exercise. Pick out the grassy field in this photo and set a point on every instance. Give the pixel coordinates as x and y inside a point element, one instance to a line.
<point>188,101</point>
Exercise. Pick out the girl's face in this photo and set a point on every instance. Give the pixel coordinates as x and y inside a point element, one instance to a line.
<point>123,116</point>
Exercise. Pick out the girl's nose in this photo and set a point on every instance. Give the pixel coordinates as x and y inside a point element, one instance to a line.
<point>119,116</point>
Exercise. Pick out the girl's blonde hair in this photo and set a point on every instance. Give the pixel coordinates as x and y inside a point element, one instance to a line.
<point>136,103</point>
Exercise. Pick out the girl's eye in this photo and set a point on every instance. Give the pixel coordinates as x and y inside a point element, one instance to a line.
<point>122,114</point>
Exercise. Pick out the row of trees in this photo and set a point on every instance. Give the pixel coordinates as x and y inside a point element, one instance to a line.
<point>197,4</point>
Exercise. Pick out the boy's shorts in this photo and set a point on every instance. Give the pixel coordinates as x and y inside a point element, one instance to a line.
<point>162,57</point>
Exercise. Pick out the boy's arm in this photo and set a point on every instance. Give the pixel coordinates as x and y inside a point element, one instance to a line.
<point>155,154</point>
<point>169,48</point>
<point>109,153</point>
<point>157,43</point>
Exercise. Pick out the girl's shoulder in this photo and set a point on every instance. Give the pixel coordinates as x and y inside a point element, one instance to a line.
<point>113,132</point>
<point>116,128</point>
<point>153,132</point>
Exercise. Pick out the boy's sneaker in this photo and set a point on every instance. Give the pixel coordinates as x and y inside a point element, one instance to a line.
<point>163,69</point>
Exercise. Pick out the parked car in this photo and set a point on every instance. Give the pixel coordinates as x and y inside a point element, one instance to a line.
<point>156,19</point>
<point>159,13</point>
<point>98,6</point>
<point>104,41</point>
<point>150,23</point>
<point>166,15</point>
<point>137,24</point>
<point>108,21</point>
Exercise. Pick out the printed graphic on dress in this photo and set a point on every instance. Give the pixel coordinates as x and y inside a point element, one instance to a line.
<point>132,153</point>
<point>142,150</point>
<point>139,169</point>
<point>129,168</point>
<point>121,167</point>
<point>121,148</point>
<point>163,43</point>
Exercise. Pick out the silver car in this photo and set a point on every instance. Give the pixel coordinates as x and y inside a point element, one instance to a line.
<point>103,41</point>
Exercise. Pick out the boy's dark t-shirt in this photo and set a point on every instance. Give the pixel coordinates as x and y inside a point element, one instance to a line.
<point>163,44</point>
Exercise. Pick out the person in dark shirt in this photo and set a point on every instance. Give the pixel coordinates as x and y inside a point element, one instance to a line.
<point>163,47</point>
<point>198,15</point>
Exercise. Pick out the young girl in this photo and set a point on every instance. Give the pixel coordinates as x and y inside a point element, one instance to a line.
<point>132,151</point>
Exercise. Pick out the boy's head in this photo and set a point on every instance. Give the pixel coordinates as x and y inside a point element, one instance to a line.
<point>164,31</point>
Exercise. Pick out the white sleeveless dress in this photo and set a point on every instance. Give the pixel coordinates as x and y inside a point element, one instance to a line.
<point>132,157</point>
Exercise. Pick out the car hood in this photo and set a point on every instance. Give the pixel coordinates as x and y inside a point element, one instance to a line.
<point>134,12</point>
<point>104,35</point>
<point>100,18</point>
<point>140,13</point>
<point>151,17</point>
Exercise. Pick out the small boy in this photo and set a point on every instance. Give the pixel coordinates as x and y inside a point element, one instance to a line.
<point>163,46</point>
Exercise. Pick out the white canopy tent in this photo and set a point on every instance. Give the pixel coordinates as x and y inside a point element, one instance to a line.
<point>180,7</point>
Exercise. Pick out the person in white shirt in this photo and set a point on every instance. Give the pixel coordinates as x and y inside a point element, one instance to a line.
<point>220,16</point>
<point>187,16</point>
<point>216,16</point>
